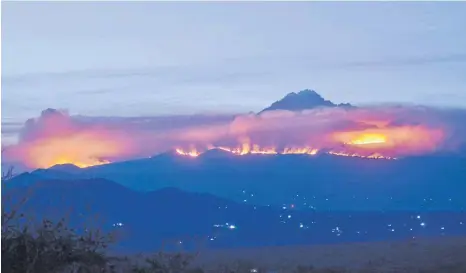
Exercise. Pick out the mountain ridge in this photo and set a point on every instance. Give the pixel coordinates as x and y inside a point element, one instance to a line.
<point>169,216</point>
<point>319,176</point>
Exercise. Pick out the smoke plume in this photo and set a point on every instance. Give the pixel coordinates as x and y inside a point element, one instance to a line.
<point>55,137</point>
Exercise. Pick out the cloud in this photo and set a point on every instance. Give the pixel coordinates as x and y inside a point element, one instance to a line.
<point>409,61</point>
<point>56,137</point>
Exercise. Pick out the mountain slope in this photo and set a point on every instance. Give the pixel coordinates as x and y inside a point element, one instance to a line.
<point>180,219</point>
<point>331,182</point>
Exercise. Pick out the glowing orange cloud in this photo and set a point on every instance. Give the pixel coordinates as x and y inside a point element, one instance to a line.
<point>368,139</point>
<point>400,140</point>
<point>82,149</point>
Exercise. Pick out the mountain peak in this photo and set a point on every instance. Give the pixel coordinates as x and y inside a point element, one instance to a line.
<point>304,99</point>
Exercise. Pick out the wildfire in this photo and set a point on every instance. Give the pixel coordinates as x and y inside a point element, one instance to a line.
<point>372,156</point>
<point>264,151</point>
<point>304,150</point>
<point>56,138</point>
<point>256,149</point>
<point>192,153</point>
<point>393,140</point>
<point>246,149</point>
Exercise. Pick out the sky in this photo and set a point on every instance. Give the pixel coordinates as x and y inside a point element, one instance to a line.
<point>148,58</point>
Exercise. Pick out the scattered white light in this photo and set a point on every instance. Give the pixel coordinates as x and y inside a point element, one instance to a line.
<point>392,230</point>
<point>423,224</point>
<point>232,227</point>
<point>289,216</point>
<point>442,228</point>
<point>119,224</point>
<point>301,225</point>
<point>254,270</point>
<point>418,217</point>
<point>337,230</point>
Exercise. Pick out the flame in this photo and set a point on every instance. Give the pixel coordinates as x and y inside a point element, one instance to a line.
<point>192,153</point>
<point>57,138</point>
<point>304,150</point>
<point>256,149</point>
<point>244,150</point>
<point>371,156</point>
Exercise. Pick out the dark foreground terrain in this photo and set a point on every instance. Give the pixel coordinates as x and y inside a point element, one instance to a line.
<point>446,254</point>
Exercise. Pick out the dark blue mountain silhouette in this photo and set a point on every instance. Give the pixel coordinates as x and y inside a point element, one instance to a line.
<point>305,99</point>
<point>325,182</point>
<point>180,219</point>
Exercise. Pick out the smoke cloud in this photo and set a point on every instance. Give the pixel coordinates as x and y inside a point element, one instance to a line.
<point>55,137</point>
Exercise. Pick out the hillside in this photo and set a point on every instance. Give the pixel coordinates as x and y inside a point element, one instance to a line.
<point>146,220</point>
<point>324,182</point>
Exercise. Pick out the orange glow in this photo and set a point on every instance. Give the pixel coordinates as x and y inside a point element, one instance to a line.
<point>392,140</point>
<point>90,163</point>
<point>56,138</point>
<point>245,149</point>
<point>272,151</point>
<point>265,151</point>
<point>371,156</point>
<point>365,139</point>
<point>192,153</point>
<point>83,150</point>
